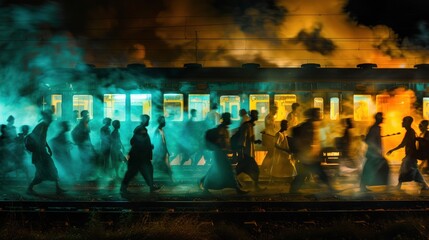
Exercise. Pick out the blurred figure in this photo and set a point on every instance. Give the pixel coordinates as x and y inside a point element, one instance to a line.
<point>61,150</point>
<point>160,151</point>
<point>268,138</point>
<point>283,165</point>
<point>21,153</point>
<point>140,157</point>
<point>244,117</point>
<point>221,175</point>
<point>376,169</point>
<point>345,145</point>
<point>423,146</point>
<point>212,117</point>
<point>10,128</point>
<point>117,148</point>
<point>246,160</point>
<point>81,137</point>
<point>41,156</point>
<point>189,148</point>
<point>409,171</point>
<point>293,118</point>
<point>105,144</point>
<point>308,150</point>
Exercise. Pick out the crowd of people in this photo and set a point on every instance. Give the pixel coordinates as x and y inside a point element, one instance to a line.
<point>293,150</point>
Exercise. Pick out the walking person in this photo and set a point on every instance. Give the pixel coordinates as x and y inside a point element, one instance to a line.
<point>409,170</point>
<point>221,175</point>
<point>376,169</point>
<point>117,148</point>
<point>105,146</point>
<point>140,157</point>
<point>307,141</point>
<point>160,151</point>
<point>282,166</point>
<point>246,159</point>
<point>423,146</point>
<point>41,155</point>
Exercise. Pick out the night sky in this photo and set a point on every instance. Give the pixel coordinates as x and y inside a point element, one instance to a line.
<point>169,33</point>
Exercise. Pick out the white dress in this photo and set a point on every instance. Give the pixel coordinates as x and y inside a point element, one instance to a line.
<point>282,166</point>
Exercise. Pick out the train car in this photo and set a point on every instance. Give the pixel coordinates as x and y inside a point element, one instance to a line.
<point>126,93</point>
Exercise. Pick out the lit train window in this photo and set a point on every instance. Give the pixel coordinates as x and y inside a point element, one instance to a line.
<point>361,107</point>
<point>173,106</point>
<point>114,106</point>
<point>318,103</point>
<point>395,107</point>
<point>334,108</point>
<point>260,102</point>
<point>83,102</point>
<point>57,102</point>
<point>230,104</point>
<point>201,103</point>
<point>140,104</point>
<point>284,104</point>
<point>426,107</point>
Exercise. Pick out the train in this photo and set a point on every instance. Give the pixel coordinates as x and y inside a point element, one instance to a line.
<point>126,93</point>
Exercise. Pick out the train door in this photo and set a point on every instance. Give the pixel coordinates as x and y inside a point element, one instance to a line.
<point>201,103</point>
<point>260,102</point>
<point>114,106</point>
<point>83,102</point>
<point>57,105</point>
<point>334,108</point>
<point>361,107</point>
<point>284,105</point>
<point>426,108</point>
<point>231,104</point>
<point>173,106</point>
<point>140,103</point>
<point>318,103</point>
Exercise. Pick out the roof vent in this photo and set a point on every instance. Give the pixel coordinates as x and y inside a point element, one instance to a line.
<point>366,65</point>
<point>251,65</point>
<point>136,66</point>
<point>310,65</point>
<point>192,65</point>
<point>84,66</point>
<point>424,66</point>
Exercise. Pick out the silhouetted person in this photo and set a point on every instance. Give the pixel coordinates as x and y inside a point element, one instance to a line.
<point>105,142</point>
<point>21,153</point>
<point>221,175</point>
<point>282,165</point>
<point>81,137</point>
<point>308,150</point>
<point>423,145</point>
<point>61,150</point>
<point>212,117</point>
<point>117,148</point>
<point>376,169</point>
<point>160,151</point>
<point>344,144</point>
<point>41,156</point>
<point>244,117</point>
<point>246,160</point>
<point>140,157</point>
<point>10,128</point>
<point>409,170</point>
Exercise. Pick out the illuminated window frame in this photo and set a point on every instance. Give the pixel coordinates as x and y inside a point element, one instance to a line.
<point>143,101</point>
<point>226,104</point>
<point>114,103</point>
<point>199,102</point>
<point>83,102</point>
<point>173,98</point>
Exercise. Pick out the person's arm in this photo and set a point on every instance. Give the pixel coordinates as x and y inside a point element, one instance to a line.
<point>401,145</point>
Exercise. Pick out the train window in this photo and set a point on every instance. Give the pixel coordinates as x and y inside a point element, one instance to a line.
<point>260,102</point>
<point>201,103</point>
<point>284,104</point>
<point>361,106</point>
<point>318,103</point>
<point>230,104</point>
<point>114,106</point>
<point>56,102</point>
<point>426,107</point>
<point>173,106</point>
<point>140,104</point>
<point>334,108</point>
<point>83,102</point>
<point>397,106</point>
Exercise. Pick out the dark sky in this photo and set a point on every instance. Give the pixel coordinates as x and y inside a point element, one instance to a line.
<point>334,33</point>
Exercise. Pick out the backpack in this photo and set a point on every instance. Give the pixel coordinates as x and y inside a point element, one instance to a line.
<point>211,137</point>
<point>30,143</point>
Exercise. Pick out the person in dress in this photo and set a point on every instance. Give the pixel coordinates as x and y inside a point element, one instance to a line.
<point>283,166</point>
